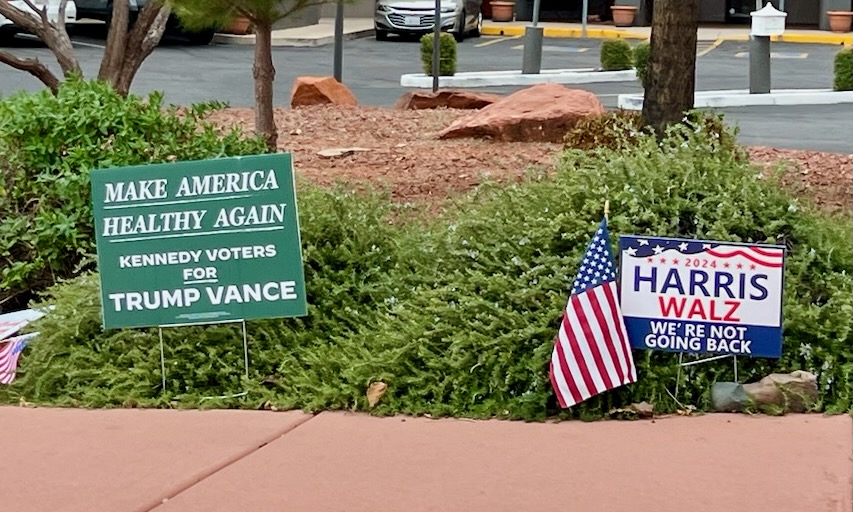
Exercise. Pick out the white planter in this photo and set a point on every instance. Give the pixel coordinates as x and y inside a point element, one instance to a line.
<point>516,77</point>
<point>742,98</point>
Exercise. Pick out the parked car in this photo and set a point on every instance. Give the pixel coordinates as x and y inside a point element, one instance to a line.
<point>415,17</point>
<point>103,10</point>
<point>8,29</point>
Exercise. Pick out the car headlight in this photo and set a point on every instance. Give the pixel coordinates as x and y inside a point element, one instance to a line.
<point>448,9</point>
<point>383,8</point>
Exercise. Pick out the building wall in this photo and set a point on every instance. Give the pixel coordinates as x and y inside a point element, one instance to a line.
<point>358,9</point>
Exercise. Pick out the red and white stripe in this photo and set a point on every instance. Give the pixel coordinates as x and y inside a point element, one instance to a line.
<point>764,257</point>
<point>591,352</point>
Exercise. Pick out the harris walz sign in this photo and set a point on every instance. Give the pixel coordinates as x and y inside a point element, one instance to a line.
<point>701,296</point>
<point>198,242</point>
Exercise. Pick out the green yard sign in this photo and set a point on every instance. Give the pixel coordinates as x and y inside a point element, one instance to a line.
<point>198,242</point>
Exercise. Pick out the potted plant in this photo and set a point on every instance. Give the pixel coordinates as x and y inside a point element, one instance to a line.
<point>239,26</point>
<point>623,15</point>
<point>502,10</point>
<point>839,21</point>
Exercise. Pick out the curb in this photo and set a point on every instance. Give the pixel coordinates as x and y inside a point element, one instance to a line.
<point>504,78</point>
<point>742,98</point>
<point>291,41</point>
<point>594,33</point>
<point>608,33</point>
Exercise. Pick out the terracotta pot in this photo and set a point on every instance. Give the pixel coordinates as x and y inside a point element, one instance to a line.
<point>502,11</point>
<point>623,15</point>
<point>239,26</point>
<point>840,21</point>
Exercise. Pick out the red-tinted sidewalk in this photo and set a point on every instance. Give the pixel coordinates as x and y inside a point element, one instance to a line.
<point>178,461</point>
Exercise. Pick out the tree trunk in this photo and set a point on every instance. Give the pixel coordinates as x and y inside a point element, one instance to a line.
<point>672,63</point>
<point>33,67</point>
<point>264,74</point>
<point>142,40</point>
<point>116,42</point>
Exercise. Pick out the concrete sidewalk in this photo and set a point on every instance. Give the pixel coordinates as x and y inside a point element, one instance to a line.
<point>323,33</point>
<point>180,461</point>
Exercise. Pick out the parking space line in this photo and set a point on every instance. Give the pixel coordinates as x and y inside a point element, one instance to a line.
<point>31,37</point>
<point>710,48</point>
<point>777,55</point>
<point>88,45</point>
<point>496,40</point>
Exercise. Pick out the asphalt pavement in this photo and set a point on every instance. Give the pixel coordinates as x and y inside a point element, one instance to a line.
<point>372,69</point>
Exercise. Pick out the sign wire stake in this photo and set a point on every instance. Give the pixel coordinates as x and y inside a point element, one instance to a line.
<point>678,375</point>
<point>246,349</point>
<point>162,360</point>
<point>734,359</point>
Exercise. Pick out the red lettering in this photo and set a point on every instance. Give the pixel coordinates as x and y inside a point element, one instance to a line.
<point>671,304</point>
<point>733,305</point>
<point>697,309</point>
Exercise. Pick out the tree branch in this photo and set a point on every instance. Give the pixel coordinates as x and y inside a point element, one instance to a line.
<point>33,67</point>
<point>55,37</point>
<point>116,44</point>
<point>42,12</point>
<point>21,18</point>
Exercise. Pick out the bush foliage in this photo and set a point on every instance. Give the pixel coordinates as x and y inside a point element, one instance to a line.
<point>616,55</point>
<point>446,55</point>
<point>48,144</point>
<point>843,70</point>
<point>642,52</point>
<point>457,314</point>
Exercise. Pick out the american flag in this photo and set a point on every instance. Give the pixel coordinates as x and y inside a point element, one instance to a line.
<point>591,350</point>
<point>10,351</point>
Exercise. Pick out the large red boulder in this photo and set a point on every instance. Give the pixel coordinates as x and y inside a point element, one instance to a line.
<point>447,98</point>
<point>541,113</point>
<point>320,90</point>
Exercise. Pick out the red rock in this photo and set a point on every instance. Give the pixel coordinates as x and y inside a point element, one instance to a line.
<point>541,113</point>
<point>320,90</point>
<point>447,98</point>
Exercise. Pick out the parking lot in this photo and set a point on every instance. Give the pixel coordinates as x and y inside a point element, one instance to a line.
<point>372,70</point>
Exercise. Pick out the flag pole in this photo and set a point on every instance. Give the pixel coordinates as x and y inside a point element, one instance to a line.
<point>606,208</point>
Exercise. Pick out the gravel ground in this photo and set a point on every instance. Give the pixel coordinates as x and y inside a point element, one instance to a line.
<point>399,149</point>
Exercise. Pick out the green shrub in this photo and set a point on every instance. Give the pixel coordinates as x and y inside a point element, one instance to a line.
<point>457,314</point>
<point>48,144</point>
<point>843,68</point>
<point>616,55</point>
<point>447,54</point>
<point>642,52</point>
<point>621,128</point>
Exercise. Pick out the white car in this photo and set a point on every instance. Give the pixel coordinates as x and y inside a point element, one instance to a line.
<point>7,28</point>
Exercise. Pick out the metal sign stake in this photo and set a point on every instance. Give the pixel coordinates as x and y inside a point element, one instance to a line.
<point>245,354</point>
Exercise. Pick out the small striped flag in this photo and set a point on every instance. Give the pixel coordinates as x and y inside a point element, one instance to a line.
<point>10,351</point>
<point>591,350</point>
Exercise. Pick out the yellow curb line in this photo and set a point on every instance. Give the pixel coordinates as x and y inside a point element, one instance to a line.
<point>595,33</point>
<point>606,33</point>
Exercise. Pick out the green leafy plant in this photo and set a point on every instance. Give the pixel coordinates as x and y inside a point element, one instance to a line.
<point>642,52</point>
<point>457,313</point>
<point>48,145</point>
<point>843,70</point>
<point>447,54</point>
<point>616,55</point>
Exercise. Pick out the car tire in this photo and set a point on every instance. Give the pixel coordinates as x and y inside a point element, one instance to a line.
<point>381,35</point>
<point>202,38</point>
<point>477,30</point>
<point>459,35</point>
